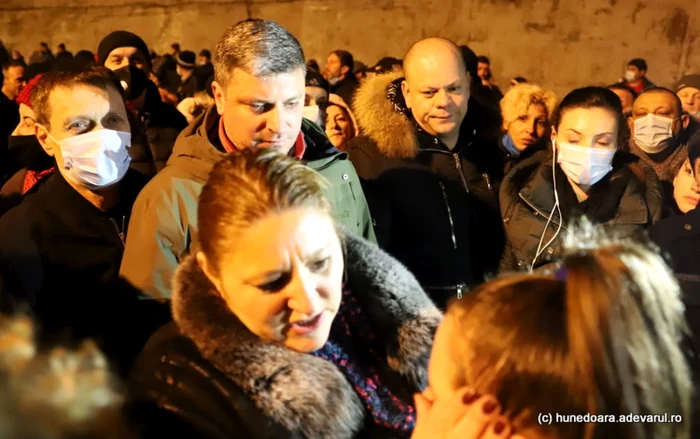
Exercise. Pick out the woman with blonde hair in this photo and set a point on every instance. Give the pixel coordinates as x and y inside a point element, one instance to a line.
<point>526,110</point>
<point>600,337</point>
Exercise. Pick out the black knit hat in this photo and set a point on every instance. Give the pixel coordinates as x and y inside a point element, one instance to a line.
<point>688,81</point>
<point>694,149</point>
<point>121,38</point>
<point>315,79</point>
<point>133,80</point>
<point>205,53</point>
<point>186,59</point>
<point>385,65</point>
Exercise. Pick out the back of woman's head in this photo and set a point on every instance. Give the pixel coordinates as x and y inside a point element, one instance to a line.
<point>248,186</point>
<point>594,97</point>
<point>602,336</point>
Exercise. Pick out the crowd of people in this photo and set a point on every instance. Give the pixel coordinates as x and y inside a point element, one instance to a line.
<point>261,247</point>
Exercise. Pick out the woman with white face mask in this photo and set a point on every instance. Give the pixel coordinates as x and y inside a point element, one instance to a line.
<point>588,175</point>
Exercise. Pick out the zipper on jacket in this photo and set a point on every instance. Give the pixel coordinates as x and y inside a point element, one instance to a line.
<point>487,179</point>
<point>449,215</point>
<point>539,212</point>
<point>120,232</point>
<point>458,164</point>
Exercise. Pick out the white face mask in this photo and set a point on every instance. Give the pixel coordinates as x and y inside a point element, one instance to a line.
<point>333,81</point>
<point>584,166</point>
<point>630,76</point>
<point>96,159</point>
<point>313,113</point>
<point>651,132</point>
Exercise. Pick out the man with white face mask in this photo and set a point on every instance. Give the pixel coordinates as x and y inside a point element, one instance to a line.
<point>316,101</point>
<point>658,132</point>
<point>62,246</point>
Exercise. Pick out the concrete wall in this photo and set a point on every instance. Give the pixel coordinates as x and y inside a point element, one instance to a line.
<point>558,43</point>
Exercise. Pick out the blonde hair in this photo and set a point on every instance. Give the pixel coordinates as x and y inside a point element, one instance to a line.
<point>602,336</point>
<point>518,99</point>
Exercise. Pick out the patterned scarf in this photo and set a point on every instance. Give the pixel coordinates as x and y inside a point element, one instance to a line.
<point>351,328</point>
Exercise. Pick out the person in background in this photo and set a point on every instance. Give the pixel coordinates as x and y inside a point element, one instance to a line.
<point>259,94</point>
<point>385,65</point>
<point>588,173</point>
<point>85,57</point>
<point>526,111</point>
<point>62,245</point>
<point>339,68</point>
<point>485,76</point>
<point>312,64</point>
<point>42,55</point>
<point>429,156</point>
<point>185,68</point>
<point>360,70</point>
<point>686,192</point>
<point>341,126</point>
<point>316,99</point>
<point>636,76</point>
<point>197,105</point>
<point>338,330</point>
<point>517,80</point>
<point>659,136</point>
<point>204,69</point>
<point>159,124</point>
<point>62,53</point>
<point>626,95</point>
<point>17,56</point>
<point>174,50</point>
<point>602,334</point>
<point>27,161</point>
<point>13,81</point>
<point>688,90</point>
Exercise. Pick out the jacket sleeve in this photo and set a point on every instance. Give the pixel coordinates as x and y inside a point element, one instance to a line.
<point>654,196</point>
<point>156,240</point>
<point>364,216</point>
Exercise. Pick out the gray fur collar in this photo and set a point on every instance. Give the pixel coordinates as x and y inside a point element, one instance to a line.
<point>303,393</point>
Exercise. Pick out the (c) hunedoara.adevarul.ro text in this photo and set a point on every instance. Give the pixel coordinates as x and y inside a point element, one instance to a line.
<point>558,418</point>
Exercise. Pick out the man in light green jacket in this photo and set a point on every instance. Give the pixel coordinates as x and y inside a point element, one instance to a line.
<point>259,92</point>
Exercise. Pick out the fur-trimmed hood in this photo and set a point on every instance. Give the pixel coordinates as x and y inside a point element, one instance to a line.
<point>301,392</point>
<point>380,120</point>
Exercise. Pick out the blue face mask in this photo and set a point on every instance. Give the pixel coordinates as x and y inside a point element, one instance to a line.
<point>510,146</point>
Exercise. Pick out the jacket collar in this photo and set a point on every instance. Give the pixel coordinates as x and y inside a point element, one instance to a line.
<point>295,389</point>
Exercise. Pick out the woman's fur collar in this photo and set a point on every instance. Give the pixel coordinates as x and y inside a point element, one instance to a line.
<point>379,120</point>
<point>301,392</point>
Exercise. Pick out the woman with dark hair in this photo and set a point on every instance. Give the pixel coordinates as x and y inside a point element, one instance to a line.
<point>588,174</point>
<point>284,325</point>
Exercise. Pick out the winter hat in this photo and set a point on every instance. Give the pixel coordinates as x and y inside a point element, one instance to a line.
<point>688,81</point>
<point>26,93</point>
<point>385,65</point>
<point>133,80</point>
<point>185,59</point>
<point>694,149</point>
<point>121,38</point>
<point>315,79</point>
<point>359,67</point>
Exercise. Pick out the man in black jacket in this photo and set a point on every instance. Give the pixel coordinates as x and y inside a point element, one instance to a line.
<point>62,246</point>
<point>430,163</point>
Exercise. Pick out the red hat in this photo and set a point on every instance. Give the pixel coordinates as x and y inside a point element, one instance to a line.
<point>26,93</point>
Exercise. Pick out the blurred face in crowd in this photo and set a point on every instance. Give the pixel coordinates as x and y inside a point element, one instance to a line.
<point>690,98</point>
<point>124,56</point>
<point>529,127</point>
<point>588,127</point>
<point>203,60</point>
<point>484,71</point>
<point>638,74</point>
<point>13,81</point>
<point>662,104</point>
<point>436,88</point>
<point>282,278</point>
<point>334,68</point>
<point>27,119</point>
<point>626,98</point>
<point>262,111</point>
<point>686,191</point>
<point>78,110</point>
<point>339,127</point>
<point>316,96</point>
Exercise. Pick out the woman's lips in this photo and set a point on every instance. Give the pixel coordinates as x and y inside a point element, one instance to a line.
<point>307,326</point>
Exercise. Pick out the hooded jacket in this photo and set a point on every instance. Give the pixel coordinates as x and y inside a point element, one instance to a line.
<point>163,228</point>
<point>208,376</point>
<point>527,200</point>
<point>436,210</point>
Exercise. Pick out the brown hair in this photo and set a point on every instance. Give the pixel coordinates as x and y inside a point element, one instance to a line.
<point>601,336</point>
<point>248,186</point>
<point>68,75</point>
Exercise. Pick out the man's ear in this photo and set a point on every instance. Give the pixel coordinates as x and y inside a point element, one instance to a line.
<point>206,267</point>
<point>630,125</point>
<point>219,97</point>
<point>42,135</point>
<point>406,93</point>
<point>685,120</point>
<point>344,70</point>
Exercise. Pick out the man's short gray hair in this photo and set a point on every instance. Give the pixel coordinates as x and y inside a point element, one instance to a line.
<point>258,47</point>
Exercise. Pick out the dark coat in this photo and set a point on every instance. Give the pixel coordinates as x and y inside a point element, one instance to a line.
<point>346,88</point>
<point>435,210</point>
<point>527,200</point>
<point>207,376</point>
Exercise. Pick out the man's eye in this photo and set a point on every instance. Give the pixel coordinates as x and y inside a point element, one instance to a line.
<point>292,104</point>
<point>78,125</point>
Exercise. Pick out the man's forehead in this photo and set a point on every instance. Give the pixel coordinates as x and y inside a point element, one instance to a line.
<point>78,99</point>
<point>125,51</point>
<point>290,84</point>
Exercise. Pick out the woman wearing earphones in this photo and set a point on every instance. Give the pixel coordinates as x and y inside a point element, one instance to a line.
<point>588,174</point>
